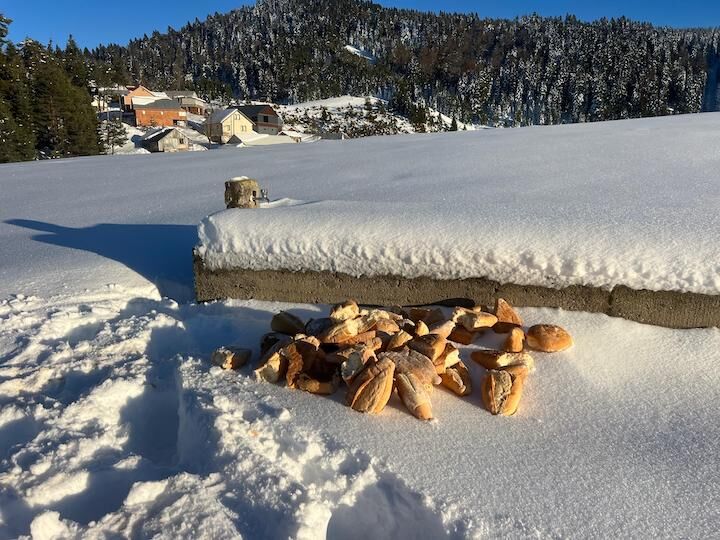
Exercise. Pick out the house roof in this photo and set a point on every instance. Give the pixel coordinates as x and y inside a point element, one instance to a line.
<point>181,93</point>
<point>221,115</point>
<point>251,111</point>
<point>156,135</point>
<point>164,104</point>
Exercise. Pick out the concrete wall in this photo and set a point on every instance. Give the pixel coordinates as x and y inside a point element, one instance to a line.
<point>670,309</point>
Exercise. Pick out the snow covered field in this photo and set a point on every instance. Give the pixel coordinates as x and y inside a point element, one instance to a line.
<point>113,423</point>
<point>608,204</point>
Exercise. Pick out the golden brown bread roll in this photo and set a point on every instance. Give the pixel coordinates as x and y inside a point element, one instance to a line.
<point>501,389</point>
<point>398,341</point>
<point>500,359</point>
<point>457,379</point>
<point>273,365</point>
<point>230,357</point>
<point>515,340</point>
<point>431,345</point>
<point>421,329</point>
<point>388,326</point>
<point>372,387</point>
<point>472,319</point>
<point>410,361</point>
<point>346,310</point>
<point>300,355</point>
<point>443,329</point>
<point>340,332</point>
<point>461,335</point>
<point>548,338</point>
<point>505,313</point>
<point>413,395</point>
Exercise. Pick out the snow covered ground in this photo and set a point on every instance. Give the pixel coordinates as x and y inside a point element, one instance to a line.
<point>636,205</point>
<point>113,423</point>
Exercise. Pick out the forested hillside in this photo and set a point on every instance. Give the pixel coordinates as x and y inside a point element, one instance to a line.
<point>45,106</point>
<point>533,70</point>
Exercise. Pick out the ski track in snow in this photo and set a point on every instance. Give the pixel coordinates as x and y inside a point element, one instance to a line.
<point>113,422</point>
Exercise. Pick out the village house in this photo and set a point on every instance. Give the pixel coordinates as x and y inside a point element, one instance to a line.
<point>266,121</point>
<point>189,101</point>
<point>227,125</point>
<point>158,112</point>
<point>165,140</point>
<point>133,92</point>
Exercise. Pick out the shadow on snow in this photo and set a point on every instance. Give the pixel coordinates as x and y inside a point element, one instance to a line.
<point>159,253</point>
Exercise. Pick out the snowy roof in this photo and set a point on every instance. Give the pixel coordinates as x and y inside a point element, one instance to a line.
<point>157,104</point>
<point>251,111</point>
<point>143,100</point>
<point>157,134</point>
<point>181,93</point>
<point>221,115</point>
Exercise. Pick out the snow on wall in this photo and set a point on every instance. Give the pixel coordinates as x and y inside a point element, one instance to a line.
<point>630,203</point>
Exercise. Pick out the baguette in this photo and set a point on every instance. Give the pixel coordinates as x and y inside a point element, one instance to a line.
<point>501,389</point>
<point>371,389</point>
<point>413,396</point>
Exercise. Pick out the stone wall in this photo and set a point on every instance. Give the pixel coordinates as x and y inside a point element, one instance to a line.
<point>663,308</point>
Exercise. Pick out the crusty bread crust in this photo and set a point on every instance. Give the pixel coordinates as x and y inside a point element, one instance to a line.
<point>346,310</point>
<point>371,389</point>
<point>515,340</point>
<point>548,338</point>
<point>413,395</point>
<point>457,378</point>
<point>506,313</point>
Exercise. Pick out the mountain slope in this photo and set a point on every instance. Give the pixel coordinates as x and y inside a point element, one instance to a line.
<point>532,70</point>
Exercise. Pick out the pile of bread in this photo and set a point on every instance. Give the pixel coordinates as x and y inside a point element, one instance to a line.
<point>409,350</point>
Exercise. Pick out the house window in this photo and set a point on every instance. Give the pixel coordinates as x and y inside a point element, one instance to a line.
<point>266,118</point>
<point>182,141</point>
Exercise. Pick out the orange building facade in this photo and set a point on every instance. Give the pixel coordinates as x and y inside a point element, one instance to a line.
<point>147,117</point>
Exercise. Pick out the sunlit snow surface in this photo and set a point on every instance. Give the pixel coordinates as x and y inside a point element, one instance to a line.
<point>112,422</point>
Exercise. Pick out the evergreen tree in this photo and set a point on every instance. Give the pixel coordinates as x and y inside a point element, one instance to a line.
<point>75,64</point>
<point>19,138</point>
<point>9,138</point>
<point>43,111</point>
<point>112,134</point>
<point>454,124</point>
<point>63,120</point>
<point>4,24</point>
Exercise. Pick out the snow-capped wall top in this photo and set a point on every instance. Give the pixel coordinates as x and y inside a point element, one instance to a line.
<point>633,203</point>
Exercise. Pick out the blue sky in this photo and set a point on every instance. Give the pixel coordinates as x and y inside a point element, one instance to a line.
<point>93,22</point>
